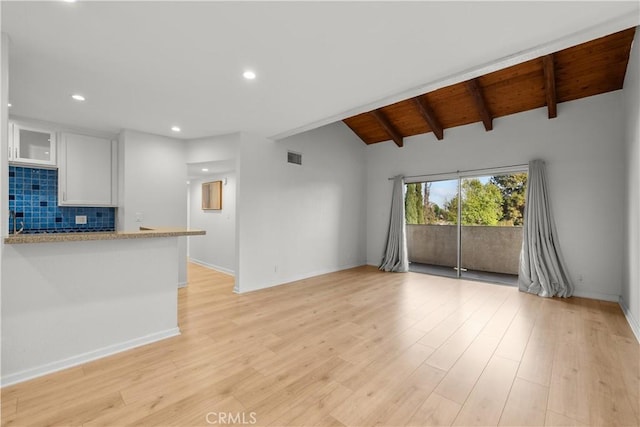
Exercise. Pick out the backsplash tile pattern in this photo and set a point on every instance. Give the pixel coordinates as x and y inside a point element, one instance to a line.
<point>33,196</point>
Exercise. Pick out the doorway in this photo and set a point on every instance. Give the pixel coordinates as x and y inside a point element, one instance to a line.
<point>216,249</point>
<point>467,225</point>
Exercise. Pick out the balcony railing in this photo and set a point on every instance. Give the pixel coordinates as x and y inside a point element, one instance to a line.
<point>484,248</point>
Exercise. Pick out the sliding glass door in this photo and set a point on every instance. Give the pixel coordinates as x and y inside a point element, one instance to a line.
<point>469,227</point>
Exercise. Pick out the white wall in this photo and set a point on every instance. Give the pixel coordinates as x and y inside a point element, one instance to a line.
<point>584,152</point>
<point>214,148</point>
<point>216,249</point>
<point>67,303</point>
<point>630,298</point>
<point>300,221</point>
<point>152,181</point>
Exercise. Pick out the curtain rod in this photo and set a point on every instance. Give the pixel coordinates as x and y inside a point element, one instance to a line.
<point>465,171</point>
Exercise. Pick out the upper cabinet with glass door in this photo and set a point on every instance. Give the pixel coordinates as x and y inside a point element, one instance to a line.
<point>31,145</point>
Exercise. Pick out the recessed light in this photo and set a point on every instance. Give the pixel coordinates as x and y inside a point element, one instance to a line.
<point>249,75</point>
<point>175,128</point>
<point>78,97</point>
<point>69,1</point>
<point>9,105</point>
<point>205,170</point>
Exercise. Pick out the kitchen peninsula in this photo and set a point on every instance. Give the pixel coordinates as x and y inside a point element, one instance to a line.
<point>75,297</point>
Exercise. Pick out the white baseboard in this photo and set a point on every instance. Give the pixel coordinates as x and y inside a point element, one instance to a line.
<point>59,365</point>
<point>633,322</point>
<point>297,277</point>
<point>303,276</point>
<point>213,266</point>
<point>182,284</point>
<point>577,292</point>
<point>595,295</point>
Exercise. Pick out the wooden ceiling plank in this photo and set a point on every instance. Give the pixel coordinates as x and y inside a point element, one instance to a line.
<point>478,98</point>
<point>388,127</point>
<point>354,129</point>
<point>521,70</point>
<point>550,85</point>
<point>429,116</point>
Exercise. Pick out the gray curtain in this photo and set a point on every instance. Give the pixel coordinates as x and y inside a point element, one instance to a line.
<point>542,271</point>
<point>395,257</point>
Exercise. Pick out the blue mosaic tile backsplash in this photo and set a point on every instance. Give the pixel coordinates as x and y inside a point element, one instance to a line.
<point>33,196</point>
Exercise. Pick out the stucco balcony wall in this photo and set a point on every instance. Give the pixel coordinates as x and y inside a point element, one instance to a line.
<point>484,248</point>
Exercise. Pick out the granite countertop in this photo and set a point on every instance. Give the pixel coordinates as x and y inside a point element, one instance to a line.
<point>144,233</point>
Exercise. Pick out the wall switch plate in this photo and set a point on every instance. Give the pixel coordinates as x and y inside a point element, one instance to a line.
<point>81,219</point>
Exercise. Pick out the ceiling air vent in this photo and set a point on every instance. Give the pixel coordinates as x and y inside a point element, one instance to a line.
<point>295,158</point>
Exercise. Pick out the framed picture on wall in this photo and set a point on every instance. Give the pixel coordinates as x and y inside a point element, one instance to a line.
<point>212,195</point>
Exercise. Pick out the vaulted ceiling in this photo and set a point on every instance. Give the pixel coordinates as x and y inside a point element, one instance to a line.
<point>152,65</point>
<point>584,70</point>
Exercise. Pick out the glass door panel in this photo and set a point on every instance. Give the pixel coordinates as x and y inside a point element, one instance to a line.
<point>432,232</point>
<point>491,226</point>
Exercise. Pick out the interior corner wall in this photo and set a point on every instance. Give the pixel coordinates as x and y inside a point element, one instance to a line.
<point>216,249</point>
<point>297,221</point>
<point>4,136</point>
<point>153,174</point>
<point>630,298</point>
<point>583,149</point>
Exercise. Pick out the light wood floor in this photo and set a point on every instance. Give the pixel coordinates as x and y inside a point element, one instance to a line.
<point>357,348</point>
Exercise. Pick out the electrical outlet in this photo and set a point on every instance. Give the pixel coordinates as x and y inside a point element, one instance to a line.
<point>139,217</point>
<point>81,219</point>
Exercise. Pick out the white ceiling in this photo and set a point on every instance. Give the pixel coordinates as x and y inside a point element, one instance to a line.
<point>218,167</point>
<point>150,65</point>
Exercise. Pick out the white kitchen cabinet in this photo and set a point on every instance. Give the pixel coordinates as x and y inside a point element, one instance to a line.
<point>87,170</point>
<point>31,145</point>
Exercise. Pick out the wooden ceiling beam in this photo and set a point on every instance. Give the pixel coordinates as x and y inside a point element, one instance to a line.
<point>388,127</point>
<point>550,85</point>
<point>429,116</point>
<point>581,71</point>
<point>473,86</point>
